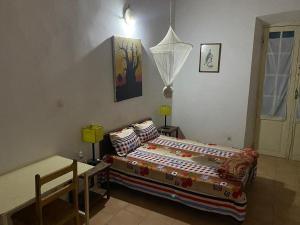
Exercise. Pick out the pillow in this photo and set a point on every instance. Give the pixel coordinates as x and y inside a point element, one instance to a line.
<point>146,131</point>
<point>124,141</point>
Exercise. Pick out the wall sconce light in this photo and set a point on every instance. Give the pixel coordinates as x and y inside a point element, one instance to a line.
<point>128,16</point>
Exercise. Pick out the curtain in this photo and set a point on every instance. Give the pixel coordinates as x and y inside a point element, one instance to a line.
<point>277,74</point>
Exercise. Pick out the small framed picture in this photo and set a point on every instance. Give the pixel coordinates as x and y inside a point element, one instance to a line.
<point>210,55</point>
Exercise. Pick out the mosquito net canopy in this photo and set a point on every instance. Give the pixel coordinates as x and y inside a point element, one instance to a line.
<point>169,56</point>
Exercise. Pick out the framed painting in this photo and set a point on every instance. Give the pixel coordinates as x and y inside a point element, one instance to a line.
<point>210,55</point>
<point>127,67</point>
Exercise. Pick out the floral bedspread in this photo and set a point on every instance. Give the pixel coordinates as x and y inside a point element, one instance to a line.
<point>186,164</point>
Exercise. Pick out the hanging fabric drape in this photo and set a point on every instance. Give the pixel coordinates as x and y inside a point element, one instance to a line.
<point>277,74</point>
<point>169,56</point>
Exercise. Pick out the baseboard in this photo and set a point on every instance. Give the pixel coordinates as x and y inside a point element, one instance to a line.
<point>296,157</point>
<point>262,152</point>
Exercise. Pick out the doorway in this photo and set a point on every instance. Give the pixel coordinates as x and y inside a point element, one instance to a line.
<point>278,123</point>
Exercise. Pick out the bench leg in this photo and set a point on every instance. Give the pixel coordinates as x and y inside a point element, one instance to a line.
<point>86,200</point>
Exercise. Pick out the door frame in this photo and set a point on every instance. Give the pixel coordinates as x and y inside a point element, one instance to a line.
<point>288,143</point>
<point>297,101</point>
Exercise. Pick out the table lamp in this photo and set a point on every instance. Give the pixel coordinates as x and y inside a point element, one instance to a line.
<point>92,134</point>
<point>165,110</point>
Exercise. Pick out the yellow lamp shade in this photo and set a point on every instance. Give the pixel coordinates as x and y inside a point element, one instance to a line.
<point>92,133</point>
<point>165,110</point>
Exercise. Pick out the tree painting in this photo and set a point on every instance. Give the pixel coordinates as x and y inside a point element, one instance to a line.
<point>127,56</point>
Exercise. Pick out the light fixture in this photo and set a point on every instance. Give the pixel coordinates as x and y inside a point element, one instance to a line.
<point>93,134</point>
<point>165,110</point>
<point>128,16</point>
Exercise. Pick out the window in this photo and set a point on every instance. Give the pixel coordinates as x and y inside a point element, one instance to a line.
<point>277,74</point>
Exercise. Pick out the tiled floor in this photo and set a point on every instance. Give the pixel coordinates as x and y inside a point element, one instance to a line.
<point>273,199</point>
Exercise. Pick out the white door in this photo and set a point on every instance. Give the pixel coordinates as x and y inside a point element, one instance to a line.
<point>277,92</point>
<point>295,150</point>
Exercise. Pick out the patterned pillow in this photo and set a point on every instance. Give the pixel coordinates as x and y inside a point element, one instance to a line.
<point>146,130</point>
<point>124,141</point>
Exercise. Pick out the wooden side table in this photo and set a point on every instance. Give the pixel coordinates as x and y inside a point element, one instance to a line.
<point>169,130</point>
<point>88,176</point>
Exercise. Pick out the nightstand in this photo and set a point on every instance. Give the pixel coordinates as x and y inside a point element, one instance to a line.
<point>92,175</point>
<point>169,130</point>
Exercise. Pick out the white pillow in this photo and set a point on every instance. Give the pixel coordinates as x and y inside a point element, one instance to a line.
<point>124,141</point>
<point>146,131</point>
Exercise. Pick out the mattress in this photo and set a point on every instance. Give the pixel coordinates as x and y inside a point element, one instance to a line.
<point>184,171</point>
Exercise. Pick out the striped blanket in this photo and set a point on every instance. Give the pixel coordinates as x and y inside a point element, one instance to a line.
<point>183,171</point>
<point>192,146</point>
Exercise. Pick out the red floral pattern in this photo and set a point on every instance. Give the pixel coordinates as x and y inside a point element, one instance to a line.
<point>186,182</point>
<point>237,194</point>
<point>144,171</point>
<point>109,159</point>
<point>186,155</point>
<point>151,147</point>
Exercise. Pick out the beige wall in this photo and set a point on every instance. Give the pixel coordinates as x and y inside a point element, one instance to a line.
<point>56,73</point>
<point>254,84</point>
<point>214,108</point>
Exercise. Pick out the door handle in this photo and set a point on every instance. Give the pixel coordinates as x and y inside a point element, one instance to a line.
<point>296,94</point>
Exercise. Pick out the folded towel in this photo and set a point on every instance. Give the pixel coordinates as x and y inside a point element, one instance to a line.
<point>235,167</point>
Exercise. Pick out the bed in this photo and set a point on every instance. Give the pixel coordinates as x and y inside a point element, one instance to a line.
<point>184,171</point>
